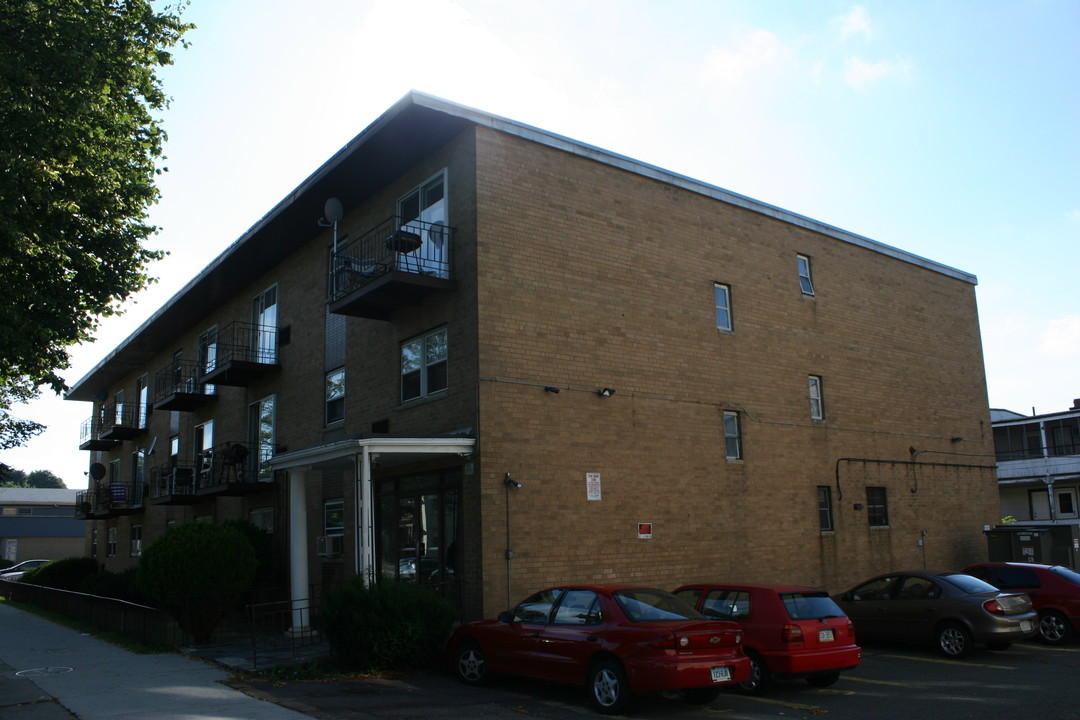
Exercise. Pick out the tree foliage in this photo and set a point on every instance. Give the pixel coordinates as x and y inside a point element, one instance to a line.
<point>10,477</point>
<point>79,158</point>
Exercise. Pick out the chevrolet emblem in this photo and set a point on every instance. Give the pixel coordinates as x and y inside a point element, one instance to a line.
<point>714,640</point>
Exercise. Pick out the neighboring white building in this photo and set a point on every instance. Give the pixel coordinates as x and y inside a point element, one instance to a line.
<point>1038,466</point>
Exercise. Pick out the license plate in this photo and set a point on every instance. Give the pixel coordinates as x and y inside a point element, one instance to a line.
<point>1025,625</point>
<point>721,674</point>
<point>825,635</point>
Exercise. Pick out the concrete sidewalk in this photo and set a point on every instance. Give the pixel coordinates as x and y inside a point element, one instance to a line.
<point>50,672</point>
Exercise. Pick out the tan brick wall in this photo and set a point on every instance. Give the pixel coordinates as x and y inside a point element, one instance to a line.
<point>592,277</point>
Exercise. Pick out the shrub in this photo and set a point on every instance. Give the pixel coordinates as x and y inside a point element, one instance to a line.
<point>194,571</point>
<point>66,574</point>
<point>114,585</point>
<point>263,545</point>
<point>386,627</point>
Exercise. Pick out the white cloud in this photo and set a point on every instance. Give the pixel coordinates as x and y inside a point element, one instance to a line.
<point>860,74</point>
<point>1061,338</point>
<point>1073,216</point>
<point>753,55</point>
<point>855,22</point>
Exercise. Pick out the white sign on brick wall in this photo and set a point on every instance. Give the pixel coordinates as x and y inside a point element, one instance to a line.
<point>592,485</point>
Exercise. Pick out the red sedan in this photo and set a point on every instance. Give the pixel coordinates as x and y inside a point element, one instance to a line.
<point>789,632</point>
<point>1054,591</point>
<point>614,640</point>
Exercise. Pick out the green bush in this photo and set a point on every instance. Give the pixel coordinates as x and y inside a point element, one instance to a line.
<point>66,574</point>
<point>386,627</point>
<point>195,573</point>
<point>119,585</point>
<point>263,544</point>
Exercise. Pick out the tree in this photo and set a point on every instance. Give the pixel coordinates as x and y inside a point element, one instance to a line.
<point>10,477</point>
<point>79,157</point>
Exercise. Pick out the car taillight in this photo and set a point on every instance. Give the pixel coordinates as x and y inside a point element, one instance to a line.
<point>791,634</point>
<point>665,642</point>
<point>994,607</point>
<point>851,631</point>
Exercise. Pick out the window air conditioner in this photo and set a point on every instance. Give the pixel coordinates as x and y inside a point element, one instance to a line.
<point>329,545</point>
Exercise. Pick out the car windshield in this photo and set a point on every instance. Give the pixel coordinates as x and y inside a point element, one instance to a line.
<point>968,584</point>
<point>810,606</point>
<point>647,605</point>
<point>1066,574</point>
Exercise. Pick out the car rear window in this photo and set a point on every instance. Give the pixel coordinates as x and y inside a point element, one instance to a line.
<point>646,605</point>
<point>1066,574</point>
<point>968,583</point>
<point>810,606</point>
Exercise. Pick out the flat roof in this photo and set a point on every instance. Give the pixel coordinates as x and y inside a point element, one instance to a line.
<point>413,127</point>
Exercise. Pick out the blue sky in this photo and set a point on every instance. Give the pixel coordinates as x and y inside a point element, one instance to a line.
<point>945,128</point>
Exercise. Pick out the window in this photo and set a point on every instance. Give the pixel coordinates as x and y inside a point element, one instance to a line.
<point>136,540</point>
<point>110,542</point>
<point>424,212</point>
<point>138,474</point>
<point>208,348</point>
<point>423,366</point>
<point>263,518</point>
<point>264,317</point>
<point>579,607</point>
<point>722,294</point>
<point>204,454</point>
<point>335,396</point>
<point>142,397</point>
<point>877,507</point>
<point>817,405</point>
<point>806,283</point>
<point>94,543</point>
<point>261,433</point>
<point>726,605</point>
<point>334,517</point>
<point>825,509</point>
<point>1066,502</point>
<point>731,436</point>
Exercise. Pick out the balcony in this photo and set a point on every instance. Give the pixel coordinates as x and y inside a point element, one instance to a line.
<point>90,436</point>
<point>233,469</point>
<point>396,263</point>
<point>105,501</point>
<point>172,485</point>
<point>122,421</point>
<point>180,386</point>
<point>244,352</point>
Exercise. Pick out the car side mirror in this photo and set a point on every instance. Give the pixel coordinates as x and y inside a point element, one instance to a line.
<point>506,617</point>
<point>848,597</point>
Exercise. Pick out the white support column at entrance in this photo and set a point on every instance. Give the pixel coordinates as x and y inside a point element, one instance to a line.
<point>299,584</point>
<point>366,519</point>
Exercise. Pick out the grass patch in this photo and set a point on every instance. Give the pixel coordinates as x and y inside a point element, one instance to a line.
<point>123,641</point>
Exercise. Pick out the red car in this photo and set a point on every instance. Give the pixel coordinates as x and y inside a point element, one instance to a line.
<point>789,632</point>
<point>1054,591</point>
<point>614,640</point>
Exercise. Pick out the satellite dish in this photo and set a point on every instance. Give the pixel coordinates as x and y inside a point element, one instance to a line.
<point>333,210</point>
<point>97,471</point>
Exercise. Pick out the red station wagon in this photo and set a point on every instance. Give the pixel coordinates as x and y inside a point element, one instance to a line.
<point>614,640</point>
<point>790,632</point>
<point>1054,591</point>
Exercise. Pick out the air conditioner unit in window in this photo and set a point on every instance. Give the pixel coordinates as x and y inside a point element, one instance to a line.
<point>329,545</point>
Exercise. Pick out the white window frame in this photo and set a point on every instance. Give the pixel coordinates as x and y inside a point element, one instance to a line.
<point>110,542</point>
<point>806,278</point>
<point>424,363</point>
<point>136,540</point>
<point>817,399</point>
<point>262,518</point>
<point>732,436</point>
<point>722,300</point>
<point>826,515</point>
<point>1062,492</point>
<point>262,448</point>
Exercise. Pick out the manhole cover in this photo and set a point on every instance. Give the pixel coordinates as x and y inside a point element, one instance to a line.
<point>32,672</point>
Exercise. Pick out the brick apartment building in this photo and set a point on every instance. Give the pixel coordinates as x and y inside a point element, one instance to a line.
<point>472,353</point>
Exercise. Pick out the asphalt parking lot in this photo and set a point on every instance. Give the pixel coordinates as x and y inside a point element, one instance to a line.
<point>1029,680</point>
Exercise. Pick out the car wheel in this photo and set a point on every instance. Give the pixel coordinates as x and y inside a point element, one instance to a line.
<point>998,645</point>
<point>1054,628</point>
<point>472,667</point>
<point>823,680</point>
<point>760,677</point>
<point>609,691</point>
<point>954,640</point>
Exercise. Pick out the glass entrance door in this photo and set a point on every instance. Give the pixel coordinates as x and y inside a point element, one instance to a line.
<point>418,521</point>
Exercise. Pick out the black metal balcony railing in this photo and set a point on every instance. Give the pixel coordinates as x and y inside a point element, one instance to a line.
<point>122,421</point>
<point>243,352</point>
<point>394,259</point>
<point>180,386</point>
<point>90,436</point>
<point>108,500</point>
<point>230,469</point>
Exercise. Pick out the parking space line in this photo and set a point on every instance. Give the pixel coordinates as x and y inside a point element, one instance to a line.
<point>1053,648</point>
<point>942,661</point>
<point>783,703</point>
<point>884,682</point>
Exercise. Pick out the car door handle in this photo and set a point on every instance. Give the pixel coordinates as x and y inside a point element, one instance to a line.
<point>535,634</point>
<point>592,638</point>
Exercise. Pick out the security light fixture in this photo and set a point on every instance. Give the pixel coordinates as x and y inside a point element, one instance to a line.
<point>511,482</point>
<point>605,392</point>
<point>551,389</point>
